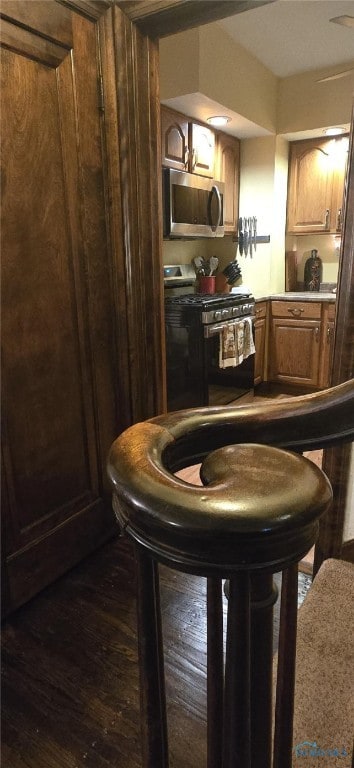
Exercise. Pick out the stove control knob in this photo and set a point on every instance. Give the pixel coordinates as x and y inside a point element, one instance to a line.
<point>235,311</point>
<point>217,314</point>
<point>225,313</point>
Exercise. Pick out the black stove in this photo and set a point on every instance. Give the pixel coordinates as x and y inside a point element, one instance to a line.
<point>211,308</point>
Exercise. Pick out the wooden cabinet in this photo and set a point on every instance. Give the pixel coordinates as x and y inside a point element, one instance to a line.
<point>295,343</point>
<point>201,150</point>
<point>327,344</point>
<point>260,341</point>
<point>186,145</point>
<point>227,169</point>
<point>315,187</point>
<point>301,343</point>
<point>174,140</point>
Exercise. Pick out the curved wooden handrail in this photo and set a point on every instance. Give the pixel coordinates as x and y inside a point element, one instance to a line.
<point>142,459</point>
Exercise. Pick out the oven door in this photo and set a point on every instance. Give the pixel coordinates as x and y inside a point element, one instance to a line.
<point>226,384</point>
<point>187,385</point>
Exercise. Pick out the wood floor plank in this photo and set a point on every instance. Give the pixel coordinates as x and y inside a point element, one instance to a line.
<point>70,669</point>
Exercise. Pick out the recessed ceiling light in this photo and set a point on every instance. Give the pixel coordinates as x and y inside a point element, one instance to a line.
<point>334,131</point>
<point>218,120</point>
<point>345,21</point>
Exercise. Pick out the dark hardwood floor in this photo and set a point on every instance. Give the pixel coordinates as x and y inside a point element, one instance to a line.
<point>70,673</point>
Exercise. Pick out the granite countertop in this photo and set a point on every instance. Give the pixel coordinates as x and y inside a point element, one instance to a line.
<point>299,296</point>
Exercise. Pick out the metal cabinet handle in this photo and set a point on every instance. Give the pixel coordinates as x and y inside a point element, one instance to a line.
<point>186,158</point>
<point>317,333</point>
<point>295,311</point>
<point>329,333</point>
<point>194,159</point>
<point>327,219</point>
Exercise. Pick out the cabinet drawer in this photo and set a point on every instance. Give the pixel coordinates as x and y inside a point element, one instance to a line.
<point>260,310</point>
<point>298,310</point>
<point>331,311</point>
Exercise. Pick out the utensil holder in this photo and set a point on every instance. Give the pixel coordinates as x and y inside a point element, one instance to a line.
<point>206,284</point>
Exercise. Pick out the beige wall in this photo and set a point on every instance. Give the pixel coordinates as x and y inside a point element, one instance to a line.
<point>264,167</point>
<point>305,104</point>
<point>179,64</point>
<point>232,76</point>
<point>208,61</point>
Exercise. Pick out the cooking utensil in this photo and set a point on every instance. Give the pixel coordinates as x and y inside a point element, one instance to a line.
<point>240,236</point>
<point>255,232</point>
<point>245,236</point>
<point>213,262</point>
<point>199,266</point>
<point>250,235</point>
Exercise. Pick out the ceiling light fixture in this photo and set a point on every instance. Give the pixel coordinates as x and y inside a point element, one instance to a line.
<point>335,131</point>
<point>337,76</point>
<point>218,120</point>
<point>345,21</point>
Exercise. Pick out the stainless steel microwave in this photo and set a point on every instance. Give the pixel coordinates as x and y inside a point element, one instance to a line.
<point>193,206</point>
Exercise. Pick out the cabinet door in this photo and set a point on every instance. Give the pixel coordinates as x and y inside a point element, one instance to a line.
<point>58,381</point>
<point>202,150</point>
<point>260,334</point>
<point>174,139</point>
<point>310,187</point>
<point>227,169</point>
<point>327,344</point>
<point>295,352</point>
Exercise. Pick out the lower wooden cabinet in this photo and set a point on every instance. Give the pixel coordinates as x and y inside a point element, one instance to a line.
<point>327,345</point>
<point>260,334</point>
<point>301,343</point>
<point>295,351</point>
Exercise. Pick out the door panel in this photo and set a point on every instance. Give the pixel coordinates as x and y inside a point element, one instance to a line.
<point>59,405</point>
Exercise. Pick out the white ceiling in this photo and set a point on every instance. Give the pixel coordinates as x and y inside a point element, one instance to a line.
<point>292,36</point>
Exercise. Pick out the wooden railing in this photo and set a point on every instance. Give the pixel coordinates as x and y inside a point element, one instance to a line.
<point>257,513</point>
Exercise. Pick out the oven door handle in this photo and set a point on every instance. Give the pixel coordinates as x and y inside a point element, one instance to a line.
<point>214,330</point>
<point>215,191</point>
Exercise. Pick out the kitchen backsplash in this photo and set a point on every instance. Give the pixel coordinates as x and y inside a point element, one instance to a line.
<point>261,273</point>
<point>328,247</point>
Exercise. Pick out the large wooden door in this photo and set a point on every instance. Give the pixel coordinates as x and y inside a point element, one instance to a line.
<point>58,381</point>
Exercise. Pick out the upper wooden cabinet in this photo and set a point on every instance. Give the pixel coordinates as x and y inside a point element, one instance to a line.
<point>315,189</point>
<point>186,145</point>
<point>227,169</point>
<point>174,140</point>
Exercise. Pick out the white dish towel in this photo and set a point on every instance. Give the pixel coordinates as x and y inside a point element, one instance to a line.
<point>236,343</point>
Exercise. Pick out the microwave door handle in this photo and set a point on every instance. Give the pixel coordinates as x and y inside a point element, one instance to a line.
<point>215,191</point>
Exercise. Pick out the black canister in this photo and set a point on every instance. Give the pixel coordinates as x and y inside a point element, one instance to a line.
<point>313,272</point>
